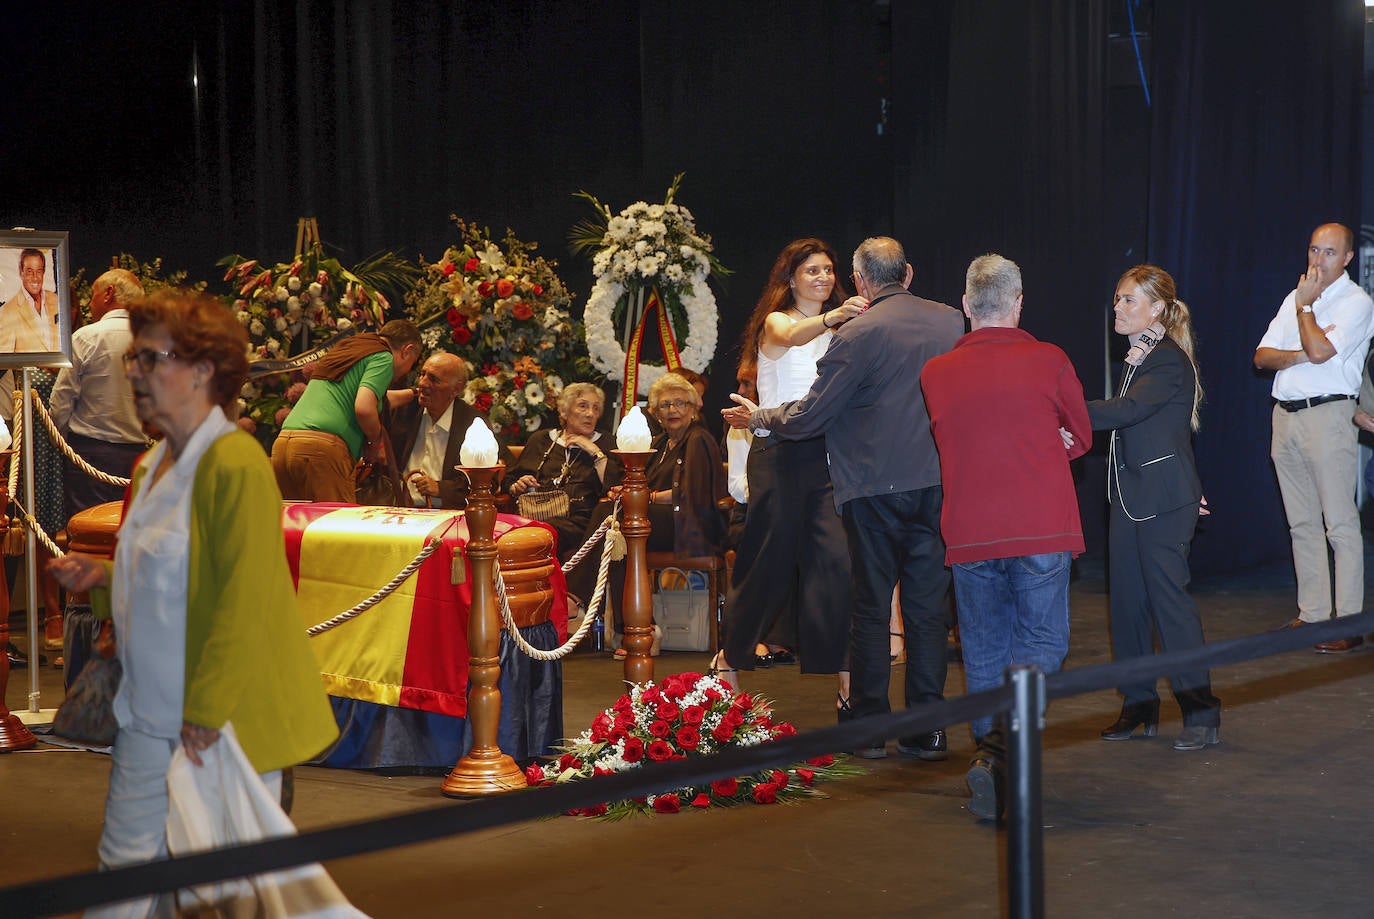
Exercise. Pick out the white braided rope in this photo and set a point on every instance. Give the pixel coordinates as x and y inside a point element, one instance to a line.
<point>589,617</point>
<point>587,546</point>
<point>382,592</point>
<point>71,454</point>
<point>37,529</point>
<point>18,433</point>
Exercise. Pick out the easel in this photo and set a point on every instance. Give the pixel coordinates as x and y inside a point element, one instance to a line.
<point>307,233</point>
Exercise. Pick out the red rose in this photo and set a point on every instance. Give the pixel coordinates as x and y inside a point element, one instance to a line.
<point>779,778</point>
<point>667,804</point>
<point>504,288</point>
<point>668,710</point>
<point>601,726</point>
<point>660,751</point>
<point>660,729</point>
<point>569,761</point>
<point>489,370</point>
<point>766,793</point>
<point>744,701</point>
<point>624,722</point>
<point>534,773</point>
<point>672,687</point>
<point>455,318</point>
<point>484,288</point>
<point>723,732</point>
<point>784,729</point>
<point>725,788</point>
<point>688,737</point>
<point>519,380</point>
<point>602,770</point>
<point>702,800</point>
<point>483,402</point>
<point>693,714</point>
<point>596,810</point>
<point>821,761</point>
<point>521,310</point>
<point>472,265</point>
<point>448,268</point>
<point>623,704</point>
<point>733,719</point>
<point>537,290</point>
<point>651,696</point>
<point>634,750</point>
<point>806,776</point>
<point>462,334</point>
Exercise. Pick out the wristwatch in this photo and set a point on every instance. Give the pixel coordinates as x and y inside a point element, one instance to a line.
<point>1305,308</point>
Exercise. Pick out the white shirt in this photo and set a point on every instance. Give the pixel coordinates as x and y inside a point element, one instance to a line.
<point>431,443</point>
<point>92,397</point>
<point>737,444</point>
<point>1346,306</point>
<point>150,584</point>
<point>789,377</point>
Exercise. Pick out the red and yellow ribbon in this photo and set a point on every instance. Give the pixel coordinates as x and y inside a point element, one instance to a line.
<point>665,336</point>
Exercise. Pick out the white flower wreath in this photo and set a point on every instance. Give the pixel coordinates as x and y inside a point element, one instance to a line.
<point>609,357</point>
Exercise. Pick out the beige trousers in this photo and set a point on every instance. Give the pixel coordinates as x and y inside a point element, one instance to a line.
<point>1316,457</point>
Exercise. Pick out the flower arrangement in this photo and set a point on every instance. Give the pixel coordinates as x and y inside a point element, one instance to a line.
<point>648,247</point>
<point>149,274</point>
<point>687,715</point>
<point>504,310</point>
<point>294,306</point>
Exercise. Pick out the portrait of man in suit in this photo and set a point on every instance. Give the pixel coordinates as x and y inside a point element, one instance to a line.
<point>29,320</point>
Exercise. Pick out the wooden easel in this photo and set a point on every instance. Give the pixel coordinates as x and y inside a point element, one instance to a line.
<point>307,233</point>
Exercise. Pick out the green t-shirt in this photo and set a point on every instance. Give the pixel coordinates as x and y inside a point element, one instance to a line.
<point>328,407</point>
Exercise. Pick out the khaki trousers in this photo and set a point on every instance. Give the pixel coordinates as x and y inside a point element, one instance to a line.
<point>1316,457</point>
<point>313,466</point>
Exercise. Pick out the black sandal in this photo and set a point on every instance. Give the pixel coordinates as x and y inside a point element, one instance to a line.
<point>716,670</point>
<point>843,712</point>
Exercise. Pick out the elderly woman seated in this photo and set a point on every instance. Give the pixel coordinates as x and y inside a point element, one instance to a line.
<point>574,459</point>
<point>686,483</point>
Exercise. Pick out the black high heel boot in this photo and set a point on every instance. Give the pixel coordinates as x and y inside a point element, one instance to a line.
<point>1141,714</point>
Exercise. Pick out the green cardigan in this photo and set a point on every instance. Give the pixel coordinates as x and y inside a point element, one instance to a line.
<point>248,659</point>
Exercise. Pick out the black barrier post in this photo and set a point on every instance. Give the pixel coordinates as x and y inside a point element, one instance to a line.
<point>1025,845</point>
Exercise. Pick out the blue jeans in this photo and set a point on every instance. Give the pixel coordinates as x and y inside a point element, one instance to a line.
<point>1011,611</point>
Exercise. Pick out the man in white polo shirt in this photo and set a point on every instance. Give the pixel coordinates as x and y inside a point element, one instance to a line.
<point>1317,344</point>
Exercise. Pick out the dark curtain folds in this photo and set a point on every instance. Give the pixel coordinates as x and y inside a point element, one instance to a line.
<point>1249,154</point>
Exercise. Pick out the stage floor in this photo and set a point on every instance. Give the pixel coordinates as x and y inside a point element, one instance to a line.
<point>1273,822</point>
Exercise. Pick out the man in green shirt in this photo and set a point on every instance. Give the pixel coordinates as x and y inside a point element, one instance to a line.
<point>337,420</point>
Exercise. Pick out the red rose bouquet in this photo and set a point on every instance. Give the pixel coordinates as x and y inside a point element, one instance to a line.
<point>686,715</point>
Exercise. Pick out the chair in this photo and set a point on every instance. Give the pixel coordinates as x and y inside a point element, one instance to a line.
<point>716,568</point>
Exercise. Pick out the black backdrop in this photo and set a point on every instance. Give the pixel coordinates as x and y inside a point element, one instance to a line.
<point>961,126</point>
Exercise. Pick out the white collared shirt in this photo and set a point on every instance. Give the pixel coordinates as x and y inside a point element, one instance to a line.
<point>92,397</point>
<point>1346,306</point>
<point>431,444</point>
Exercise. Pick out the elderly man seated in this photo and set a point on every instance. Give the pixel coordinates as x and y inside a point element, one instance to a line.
<point>427,434</point>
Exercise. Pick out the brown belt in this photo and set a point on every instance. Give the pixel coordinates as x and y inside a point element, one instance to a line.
<point>316,435</point>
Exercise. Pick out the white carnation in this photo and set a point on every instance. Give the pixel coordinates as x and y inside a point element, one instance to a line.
<point>281,293</point>
<point>256,328</point>
<point>293,283</point>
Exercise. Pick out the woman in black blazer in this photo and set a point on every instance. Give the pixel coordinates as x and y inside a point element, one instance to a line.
<point>1155,496</point>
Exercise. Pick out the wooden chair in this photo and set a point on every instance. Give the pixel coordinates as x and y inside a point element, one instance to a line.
<point>716,568</point>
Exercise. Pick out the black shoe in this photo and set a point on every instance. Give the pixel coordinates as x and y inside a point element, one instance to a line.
<point>872,751</point>
<point>1144,715</point>
<point>16,657</point>
<point>984,779</point>
<point>763,661</point>
<point>784,656</point>
<point>931,747</point>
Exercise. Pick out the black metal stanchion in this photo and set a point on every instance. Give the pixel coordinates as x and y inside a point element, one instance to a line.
<point>1025,843</point>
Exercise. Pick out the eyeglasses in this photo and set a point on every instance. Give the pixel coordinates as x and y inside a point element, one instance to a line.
<point>147,358</point>
<point>678,405</point>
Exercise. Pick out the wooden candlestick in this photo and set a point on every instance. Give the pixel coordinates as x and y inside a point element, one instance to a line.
<point>485,769</point>
<point>638,606</point>
<point>14,735</point>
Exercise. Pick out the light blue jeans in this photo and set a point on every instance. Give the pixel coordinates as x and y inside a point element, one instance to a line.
<point>1011,611</point>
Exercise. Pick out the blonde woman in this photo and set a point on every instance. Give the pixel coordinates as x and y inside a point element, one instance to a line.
<point>1155,496</point>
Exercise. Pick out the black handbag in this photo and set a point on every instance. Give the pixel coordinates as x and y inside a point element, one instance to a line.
<point>87,714</point>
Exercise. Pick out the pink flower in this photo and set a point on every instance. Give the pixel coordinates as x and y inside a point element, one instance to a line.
<point>294,392</point>
<point>281,414</point>
<point>248,424</point>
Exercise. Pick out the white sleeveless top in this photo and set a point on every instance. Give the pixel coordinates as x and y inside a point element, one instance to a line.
<point>790,377</point>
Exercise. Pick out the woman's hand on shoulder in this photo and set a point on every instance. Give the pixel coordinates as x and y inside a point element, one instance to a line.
<point>845,311</point>
<point>78,572</point>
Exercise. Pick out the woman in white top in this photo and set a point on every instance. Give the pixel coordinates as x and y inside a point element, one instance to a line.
<point>793,545</point>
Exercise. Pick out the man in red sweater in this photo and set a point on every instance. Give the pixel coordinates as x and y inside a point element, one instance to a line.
<point>1002,408</point>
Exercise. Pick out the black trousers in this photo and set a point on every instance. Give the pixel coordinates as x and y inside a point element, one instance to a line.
<point>895,538</point>
<point>1149,596</point>
<point>81,491</point>
<point>794,547</point>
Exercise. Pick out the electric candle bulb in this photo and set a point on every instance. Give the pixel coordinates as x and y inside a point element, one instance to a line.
<point>479,446</point>
<point>633,433</point>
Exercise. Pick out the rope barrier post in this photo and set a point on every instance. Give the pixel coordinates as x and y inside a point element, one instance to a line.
<point>485,769</point>
<point>14,734</point>
<point>1025,842</point>
<point>638,608</point>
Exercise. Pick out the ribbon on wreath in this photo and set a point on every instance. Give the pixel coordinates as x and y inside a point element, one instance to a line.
<point>665,336</point>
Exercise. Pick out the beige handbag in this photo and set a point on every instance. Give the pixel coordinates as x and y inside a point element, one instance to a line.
<point>547,503</point>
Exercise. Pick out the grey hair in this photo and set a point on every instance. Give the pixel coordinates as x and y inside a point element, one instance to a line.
<point>125,284</point>
<point>572,391</point>
<point>672,382</point>
<point>880,261</point>
<point>992,285</point>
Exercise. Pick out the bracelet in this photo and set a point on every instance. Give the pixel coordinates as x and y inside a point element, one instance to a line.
<point>824,323</point>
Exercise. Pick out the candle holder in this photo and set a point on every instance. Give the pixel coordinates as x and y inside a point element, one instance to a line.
<point>14,735</point>
<point>485,769</point>
<point>638,606</point>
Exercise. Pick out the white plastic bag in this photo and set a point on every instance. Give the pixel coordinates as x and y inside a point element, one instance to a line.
<point>225,803</point>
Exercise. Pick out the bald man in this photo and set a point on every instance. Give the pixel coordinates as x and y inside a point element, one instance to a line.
<point>428,433</point>
<point>1317,345</point>
<point>92,403</point>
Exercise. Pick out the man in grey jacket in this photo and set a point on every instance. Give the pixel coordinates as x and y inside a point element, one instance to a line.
<point>867,402</point>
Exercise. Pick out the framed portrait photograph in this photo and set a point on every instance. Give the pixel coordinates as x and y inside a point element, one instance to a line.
<point>35,299</point>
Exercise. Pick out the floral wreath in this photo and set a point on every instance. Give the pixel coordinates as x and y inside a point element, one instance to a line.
<point>649,247</point>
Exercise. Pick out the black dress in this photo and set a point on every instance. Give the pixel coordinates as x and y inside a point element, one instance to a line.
<point>544,458</point>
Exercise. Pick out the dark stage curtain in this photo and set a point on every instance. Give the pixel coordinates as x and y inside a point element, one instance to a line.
<point>1246,160</point>
<point>999,124</point>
